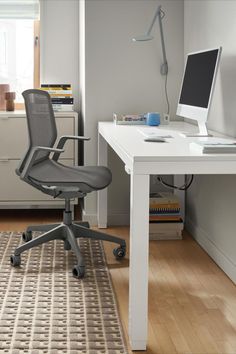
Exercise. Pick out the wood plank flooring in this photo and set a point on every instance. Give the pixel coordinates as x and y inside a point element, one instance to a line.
<point>192,303</point>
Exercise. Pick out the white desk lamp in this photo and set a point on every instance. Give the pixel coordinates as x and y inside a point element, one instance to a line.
<point>164,66</point>
<point>147,37</point>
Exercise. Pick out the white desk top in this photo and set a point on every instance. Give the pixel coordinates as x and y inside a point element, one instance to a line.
<point>143,159</point>
<point>128,142</point>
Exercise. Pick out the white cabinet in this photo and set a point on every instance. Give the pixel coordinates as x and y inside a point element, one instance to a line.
<point>15,193</point>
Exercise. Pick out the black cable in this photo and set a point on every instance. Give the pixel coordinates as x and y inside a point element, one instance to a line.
<point>184,187</point>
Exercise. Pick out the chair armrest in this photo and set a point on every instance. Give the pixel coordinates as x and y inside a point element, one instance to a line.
<point>63,140</point>
<point>32,156</point>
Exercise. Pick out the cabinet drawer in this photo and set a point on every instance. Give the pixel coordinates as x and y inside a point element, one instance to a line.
<point>12,188</point>
<point>14,136</point>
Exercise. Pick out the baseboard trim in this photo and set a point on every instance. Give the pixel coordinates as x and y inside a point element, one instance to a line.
<point>221,259</point>
<point>113,219</point>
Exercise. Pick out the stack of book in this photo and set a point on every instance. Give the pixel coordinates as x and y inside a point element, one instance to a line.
<point>61,96</point>
<point>165,221</point>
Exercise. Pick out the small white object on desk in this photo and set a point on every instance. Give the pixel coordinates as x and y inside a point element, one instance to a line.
<point>166,119</point>
<point>129,119</point>
<point>150,132</point>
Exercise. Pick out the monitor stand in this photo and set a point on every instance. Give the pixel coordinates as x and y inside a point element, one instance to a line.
<point>202,131</point>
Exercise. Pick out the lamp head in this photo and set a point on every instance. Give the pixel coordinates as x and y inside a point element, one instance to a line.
<point>143,38</point>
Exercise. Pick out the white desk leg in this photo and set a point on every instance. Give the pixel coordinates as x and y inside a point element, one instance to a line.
<point>102,195</point>
<point>138,269</point>
<point>179,180</point>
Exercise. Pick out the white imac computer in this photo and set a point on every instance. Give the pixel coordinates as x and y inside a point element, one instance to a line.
<point>198,86</point>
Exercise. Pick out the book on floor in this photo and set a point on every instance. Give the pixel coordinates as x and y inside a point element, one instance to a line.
<point>164,206</point>
<point>165,220</point>
<point>166,230</point>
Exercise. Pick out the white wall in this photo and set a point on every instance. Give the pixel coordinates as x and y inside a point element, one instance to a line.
<point>122,76</point>
<point>211,212</point>
<point>59,46</point>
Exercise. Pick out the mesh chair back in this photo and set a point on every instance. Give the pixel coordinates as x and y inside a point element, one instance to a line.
<point>41,121</point>
<point>41,124</point>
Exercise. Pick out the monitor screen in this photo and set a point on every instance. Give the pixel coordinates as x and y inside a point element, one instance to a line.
<point>198,78</point>
<point>198,86</point>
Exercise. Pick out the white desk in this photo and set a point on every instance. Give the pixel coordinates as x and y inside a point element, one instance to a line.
<point>141,160</point>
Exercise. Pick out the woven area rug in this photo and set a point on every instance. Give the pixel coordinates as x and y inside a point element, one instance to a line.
<point>45,310</point>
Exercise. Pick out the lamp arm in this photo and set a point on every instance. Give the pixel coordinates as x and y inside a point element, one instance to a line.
<point>164,66</point>
<point>157,13</point>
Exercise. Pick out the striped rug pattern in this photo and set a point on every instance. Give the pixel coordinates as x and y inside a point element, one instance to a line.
<point>45,310</point>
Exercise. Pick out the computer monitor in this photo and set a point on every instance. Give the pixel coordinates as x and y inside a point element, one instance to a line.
<point>197,87</point>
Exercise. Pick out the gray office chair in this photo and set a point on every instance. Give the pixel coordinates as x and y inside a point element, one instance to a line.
<point>48,175</point>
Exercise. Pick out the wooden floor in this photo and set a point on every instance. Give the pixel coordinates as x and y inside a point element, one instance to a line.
<point>192,303</point>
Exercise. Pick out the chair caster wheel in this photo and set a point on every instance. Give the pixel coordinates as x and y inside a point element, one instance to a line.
<point>27,236</point>
<point>119,252</point>
<point>15,260</point>
<point>78,271</point>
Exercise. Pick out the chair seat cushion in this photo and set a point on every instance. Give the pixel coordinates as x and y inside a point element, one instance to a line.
<point>87,178</point>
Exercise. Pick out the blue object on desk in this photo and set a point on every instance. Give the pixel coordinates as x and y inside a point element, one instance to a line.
<point>153,118</point>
